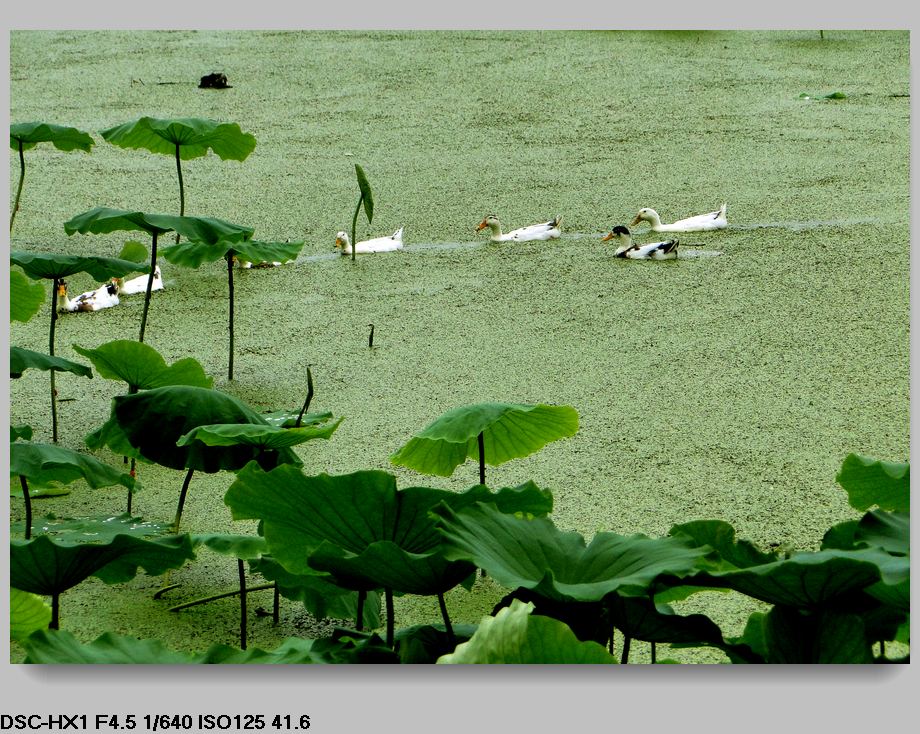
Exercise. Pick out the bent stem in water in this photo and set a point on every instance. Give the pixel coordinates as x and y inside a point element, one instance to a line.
<point>188,479</point>
<point>54,317</point>
<point>153,266</point>
<point>28,500</point>
<point>229,258</point>
<point>306,403</point>
<point>181,188</point>
<point>242,570</point>
<point>447,625</point>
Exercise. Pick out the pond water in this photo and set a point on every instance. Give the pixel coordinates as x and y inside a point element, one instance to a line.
<point>729,384</point>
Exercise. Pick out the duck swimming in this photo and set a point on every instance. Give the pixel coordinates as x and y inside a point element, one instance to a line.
<point>378,244</point>
<point>105,296</point>
<point>139,284</point>
<point>699,223</point>
<point>666,250</point>
<point>547,231</point>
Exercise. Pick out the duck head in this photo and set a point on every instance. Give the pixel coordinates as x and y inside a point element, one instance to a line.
<point>622,237</point>
<point>113,288</point>
<point>491,221</point>
<point>341,240</point>
<point>62,289</point>
<point>646,215</point>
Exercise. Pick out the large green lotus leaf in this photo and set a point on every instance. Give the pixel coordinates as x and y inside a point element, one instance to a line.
<point>194,136</point>
<point>44,463</point>
<point>425,643</point>
<point>896,595</point>
<point>59,647</point>
<point>142,366</point>
<point>103,220</point>
<point>288,418</point>
<point>24,359</point>
<point>248,434</point>
<point>887,530</point>
<point>841,536</point>
<point>47,567</point>
<point>209,230</point>
<point>372,535</point>
<point>25,298</point>
<point>152,421</point>
<point>514,636</point>
<point>193,254</point>
<point>869,482</point>
<point>134,251</point>
<point>510,431</point>
<point>104,528</point>
<point>720,536</point>
<point>320,596</point>
<point>534,554</point>
<point>46,265</point>
<point>811,579</point>
<point>28,613</point>
<point>62,137</point>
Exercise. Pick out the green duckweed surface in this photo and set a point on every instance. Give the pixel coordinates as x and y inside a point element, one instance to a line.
<point>730,384</point>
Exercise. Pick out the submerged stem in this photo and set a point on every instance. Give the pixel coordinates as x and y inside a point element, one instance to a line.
<point>22,177</point>
<point>28,500</point>
<point>215,597</point>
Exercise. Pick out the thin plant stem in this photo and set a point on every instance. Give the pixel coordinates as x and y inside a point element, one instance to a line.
<point>133,473</point>
<point>28,500</point>
<point>354,224</point>
<point>482,459</point>
<point>610,646</point>
<point>188,479</point>
<point>243,631</point>
<point>215,597</point>
<point>229,258</point>
<point>654,653</point>
<point>54,318</point>
<point>22,178</point>
<point>153,266</point>
<point>391,626</point>
<point>447,625</point>
<point>276,604</point>
<point>306,403</point>
<point>55,622</point>
<point>370,338</point>
<point>181,188</point>
<point>359,617</point>
<point>624,658</point>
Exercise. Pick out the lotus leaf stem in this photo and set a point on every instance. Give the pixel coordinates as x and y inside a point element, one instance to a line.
<point>482,459</point>
<point>215,597</point>
<point>306,403</point>
<point>181,188</point>
<point>447,625</point>
<point>359,617</point>
<point>153,266</point>
<point>229,257</point>
<point>55,622</point>
<point>188,479</point>
<point>243,631</point>
<point>54,318</point>
<point>624,658</point>
<point>388,595</point>
<point>22,177</point>
<point>276,605</point>
<point>370,338</point>
<point>654,654</point>
<point>28,500</point>
<point>354,224</point>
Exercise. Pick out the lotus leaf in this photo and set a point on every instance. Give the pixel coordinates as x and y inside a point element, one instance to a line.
<point>142,366</point>
<point>248,434</point>
<point>30,134</point>
<point>186,137</point>
<point>193,254</point>
<point>515,636</point>
<point>23,359</point>
<point>871,482</point>
<point>509,431</point>
<point>28,613</point>
<point>534,554</point>
<point>25,298</point>
<point>44,463</point>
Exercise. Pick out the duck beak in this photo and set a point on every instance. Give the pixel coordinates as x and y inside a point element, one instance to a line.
<point>608,236</point>
<point>338,242</point>
<point>482,225</point>
<point>635,221</point>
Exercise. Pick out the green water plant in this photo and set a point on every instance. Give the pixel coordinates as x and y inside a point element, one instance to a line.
<point>363,532</point>
<point>149,424</point>
<point>184,138</point>
<point>26,135</point>
<point>50,567</point>
<point>193,254</point>
<point>54,267</point>
<point>366,198</point>
<point>28,613</point>
<point>493,433</point>
<point>45,463</point>
<point>25,298</point>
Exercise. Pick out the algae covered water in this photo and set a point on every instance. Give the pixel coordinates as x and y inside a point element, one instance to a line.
<point>727,386</point>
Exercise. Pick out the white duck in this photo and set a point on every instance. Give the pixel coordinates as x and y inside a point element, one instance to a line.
<point>139,284</point>
<point>378,244</point>
<point>105,296</point>
<point>666,250</point>
<point>547,231</point>
<point>699,223</point>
